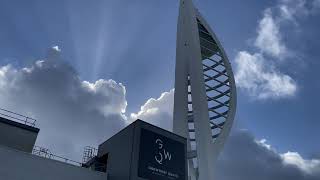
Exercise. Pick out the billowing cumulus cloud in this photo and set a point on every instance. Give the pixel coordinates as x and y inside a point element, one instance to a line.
<point>269,38</point>
<point>262,80</point>
<point>309,166</point>
<point>71,113</point>
<point>245,158</point>
<point>157,111</point>
<point>257,71</point>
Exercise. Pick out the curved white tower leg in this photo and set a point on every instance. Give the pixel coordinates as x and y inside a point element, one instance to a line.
<point>205,92</point>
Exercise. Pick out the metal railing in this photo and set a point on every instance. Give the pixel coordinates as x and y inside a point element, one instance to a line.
<point>89,153</point>
<point>17,117</point>
<point>46,153</point>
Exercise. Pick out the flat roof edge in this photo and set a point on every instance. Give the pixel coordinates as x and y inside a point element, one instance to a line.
<point>19,125</point>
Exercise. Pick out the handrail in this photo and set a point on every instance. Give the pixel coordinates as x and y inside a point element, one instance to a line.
<point>89,153</point>
<point>44,152</point>
<point>18,117</point>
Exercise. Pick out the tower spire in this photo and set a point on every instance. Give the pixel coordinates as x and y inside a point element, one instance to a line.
<point>205,92</point>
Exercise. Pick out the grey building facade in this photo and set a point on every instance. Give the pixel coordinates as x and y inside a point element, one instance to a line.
<point>142,151</point>
<point>19,162</point>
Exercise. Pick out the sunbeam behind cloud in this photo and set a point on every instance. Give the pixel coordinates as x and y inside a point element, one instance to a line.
<point>72,113</point>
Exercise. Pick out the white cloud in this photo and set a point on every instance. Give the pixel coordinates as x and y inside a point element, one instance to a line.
<point>258,160</point>
<point>269,38</point>
<point>310,166</point>
<point>263,142</point>
<point>256,71</point>
<point>71,113</point>
<point>269,35</point>
<point>4,70</point>
<point>157,111</point>
<point>56,48</point>
<point>291,9</point>
<point>111,89</point>
<point>260,79</point>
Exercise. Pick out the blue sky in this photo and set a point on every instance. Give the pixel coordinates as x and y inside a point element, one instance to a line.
<point>133,43</point>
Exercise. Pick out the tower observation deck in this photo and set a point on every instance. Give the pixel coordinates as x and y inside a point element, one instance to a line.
<point>205,92</point>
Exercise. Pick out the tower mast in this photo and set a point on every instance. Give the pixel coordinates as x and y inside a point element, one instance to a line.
<point>205,92</point>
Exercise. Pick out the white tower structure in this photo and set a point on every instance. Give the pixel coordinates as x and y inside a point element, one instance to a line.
<point>205,92</point>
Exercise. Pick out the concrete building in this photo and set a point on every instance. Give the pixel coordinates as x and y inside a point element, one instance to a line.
<point>205,92</point>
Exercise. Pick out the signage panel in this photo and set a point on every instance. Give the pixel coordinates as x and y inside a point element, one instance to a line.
<point>161,158</point>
